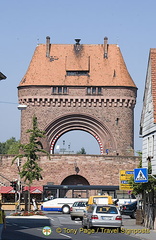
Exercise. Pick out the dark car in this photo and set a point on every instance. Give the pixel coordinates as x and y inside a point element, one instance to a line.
<point>129,209</point>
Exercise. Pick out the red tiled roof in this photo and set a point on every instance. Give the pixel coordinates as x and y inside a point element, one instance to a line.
<point>111,71</point>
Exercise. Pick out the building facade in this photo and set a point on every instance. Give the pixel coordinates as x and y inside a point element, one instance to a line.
<point>148,117</point>
<point>80,87</point>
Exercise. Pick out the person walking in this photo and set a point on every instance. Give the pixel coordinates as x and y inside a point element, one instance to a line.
<point>34,204</point>
<point>2,220</point>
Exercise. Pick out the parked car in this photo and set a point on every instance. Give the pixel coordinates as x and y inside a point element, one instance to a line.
<point>77,210</point>
<point>102,216</point>
<point>129,209</point>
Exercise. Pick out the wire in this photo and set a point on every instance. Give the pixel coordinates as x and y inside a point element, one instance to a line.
<point>8,102</point>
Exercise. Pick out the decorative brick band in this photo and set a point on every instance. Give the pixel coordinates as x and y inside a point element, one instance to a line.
<point>78,101</point>
<point>100,144</point>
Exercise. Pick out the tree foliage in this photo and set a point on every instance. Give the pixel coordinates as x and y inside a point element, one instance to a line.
<point>11,146</point>
<point>82,151</point>
<point>30,170</point>
<point>141,187</point>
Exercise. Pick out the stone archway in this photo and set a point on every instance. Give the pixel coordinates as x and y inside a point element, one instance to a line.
<point>74,180</point>
<point>83,122</point>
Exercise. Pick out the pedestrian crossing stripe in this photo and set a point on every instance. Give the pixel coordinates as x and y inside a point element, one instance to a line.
<point>140,176</point>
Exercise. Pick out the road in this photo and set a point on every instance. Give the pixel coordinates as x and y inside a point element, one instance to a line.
<point>63,228</point>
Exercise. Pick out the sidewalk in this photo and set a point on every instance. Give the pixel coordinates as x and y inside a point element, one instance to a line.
<point>138,231</point>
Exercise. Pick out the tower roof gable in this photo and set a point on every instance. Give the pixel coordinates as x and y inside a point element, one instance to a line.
<point>77,65</point>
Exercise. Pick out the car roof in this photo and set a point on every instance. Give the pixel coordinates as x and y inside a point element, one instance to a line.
<point>103,205</point>
<point>106,205</point>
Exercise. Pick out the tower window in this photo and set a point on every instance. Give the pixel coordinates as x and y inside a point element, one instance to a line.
<point>94,90</point>
<point>54,90</point>
<point>59,90</point>
<point>65,90</point>
<point>77,73</point>
<point>99,90</point>
<point>88,90</point>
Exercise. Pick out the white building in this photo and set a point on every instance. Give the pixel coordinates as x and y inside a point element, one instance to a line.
<point>148,117</point>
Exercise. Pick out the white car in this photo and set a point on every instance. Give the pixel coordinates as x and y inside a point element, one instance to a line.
<point>102,216</point>
<point>77,210</point>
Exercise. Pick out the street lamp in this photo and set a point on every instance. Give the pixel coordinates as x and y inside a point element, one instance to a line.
<point>20,107</point>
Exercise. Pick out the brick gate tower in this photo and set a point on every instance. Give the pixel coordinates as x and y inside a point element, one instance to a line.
<point>80,87</point>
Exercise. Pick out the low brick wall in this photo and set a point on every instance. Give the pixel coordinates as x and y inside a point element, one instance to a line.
<point>96,169</point>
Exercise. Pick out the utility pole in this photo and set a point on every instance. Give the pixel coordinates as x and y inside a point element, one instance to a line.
<point>14,185</point>
<point>19,187</point>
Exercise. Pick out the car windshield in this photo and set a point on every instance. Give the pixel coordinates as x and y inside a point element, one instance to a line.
<point>79,204</point>
<point>106,210</point>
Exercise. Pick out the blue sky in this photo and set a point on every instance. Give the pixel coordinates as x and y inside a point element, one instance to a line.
<point>24,24</point>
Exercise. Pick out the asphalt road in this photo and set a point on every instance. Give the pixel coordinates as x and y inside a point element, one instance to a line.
<point>62,227</point>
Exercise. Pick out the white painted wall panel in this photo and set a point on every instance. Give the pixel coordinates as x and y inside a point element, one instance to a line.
<point>148,126</point>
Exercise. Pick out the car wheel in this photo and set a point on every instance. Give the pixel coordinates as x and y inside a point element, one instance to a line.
<point>66,209</point>
<point>72,218</point>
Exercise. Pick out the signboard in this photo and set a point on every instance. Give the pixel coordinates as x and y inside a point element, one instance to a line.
<point>140,175</point>
<point>125,176</point>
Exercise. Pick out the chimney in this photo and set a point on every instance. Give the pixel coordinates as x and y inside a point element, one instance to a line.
<point>48,46</point>
<point>77,45</point>
<point>105,47</point>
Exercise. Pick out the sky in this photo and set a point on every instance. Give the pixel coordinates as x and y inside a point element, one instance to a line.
<point>24,24</point>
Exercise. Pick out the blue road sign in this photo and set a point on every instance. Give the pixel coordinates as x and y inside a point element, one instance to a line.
<point>140,175</point>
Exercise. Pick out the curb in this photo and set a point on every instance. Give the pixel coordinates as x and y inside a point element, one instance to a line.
<point>33,216</point>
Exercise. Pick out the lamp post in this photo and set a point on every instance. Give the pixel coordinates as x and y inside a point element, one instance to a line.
<point>20,107</point>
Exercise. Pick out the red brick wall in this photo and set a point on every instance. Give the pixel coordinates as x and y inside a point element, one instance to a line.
<point>96,169</point>
<point>114,103</point>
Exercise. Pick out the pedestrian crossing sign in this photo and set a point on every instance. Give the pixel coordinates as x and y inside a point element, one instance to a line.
<point>140,175</point>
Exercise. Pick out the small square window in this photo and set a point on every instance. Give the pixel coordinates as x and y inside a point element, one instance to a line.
<point>88,90</point>
<point>99,90</point>
<point>65,90</point>
<point>54,90</point>
<point>59,89</point>
<point>93,90</point>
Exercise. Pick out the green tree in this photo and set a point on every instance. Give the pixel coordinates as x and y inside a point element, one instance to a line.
<point>82,151</point>
<point>2,148</point>
<point>14,148</point>
<point>11,146</point>
<point>141,187</point>
<point>30,170</point>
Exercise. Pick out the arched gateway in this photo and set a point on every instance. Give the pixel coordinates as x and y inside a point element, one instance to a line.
<point>75,180</point>
<point>80,87</point>
<point>83,122</point>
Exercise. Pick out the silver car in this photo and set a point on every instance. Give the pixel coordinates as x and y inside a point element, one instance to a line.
<point>104,216</point>
<point>77,210</point>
